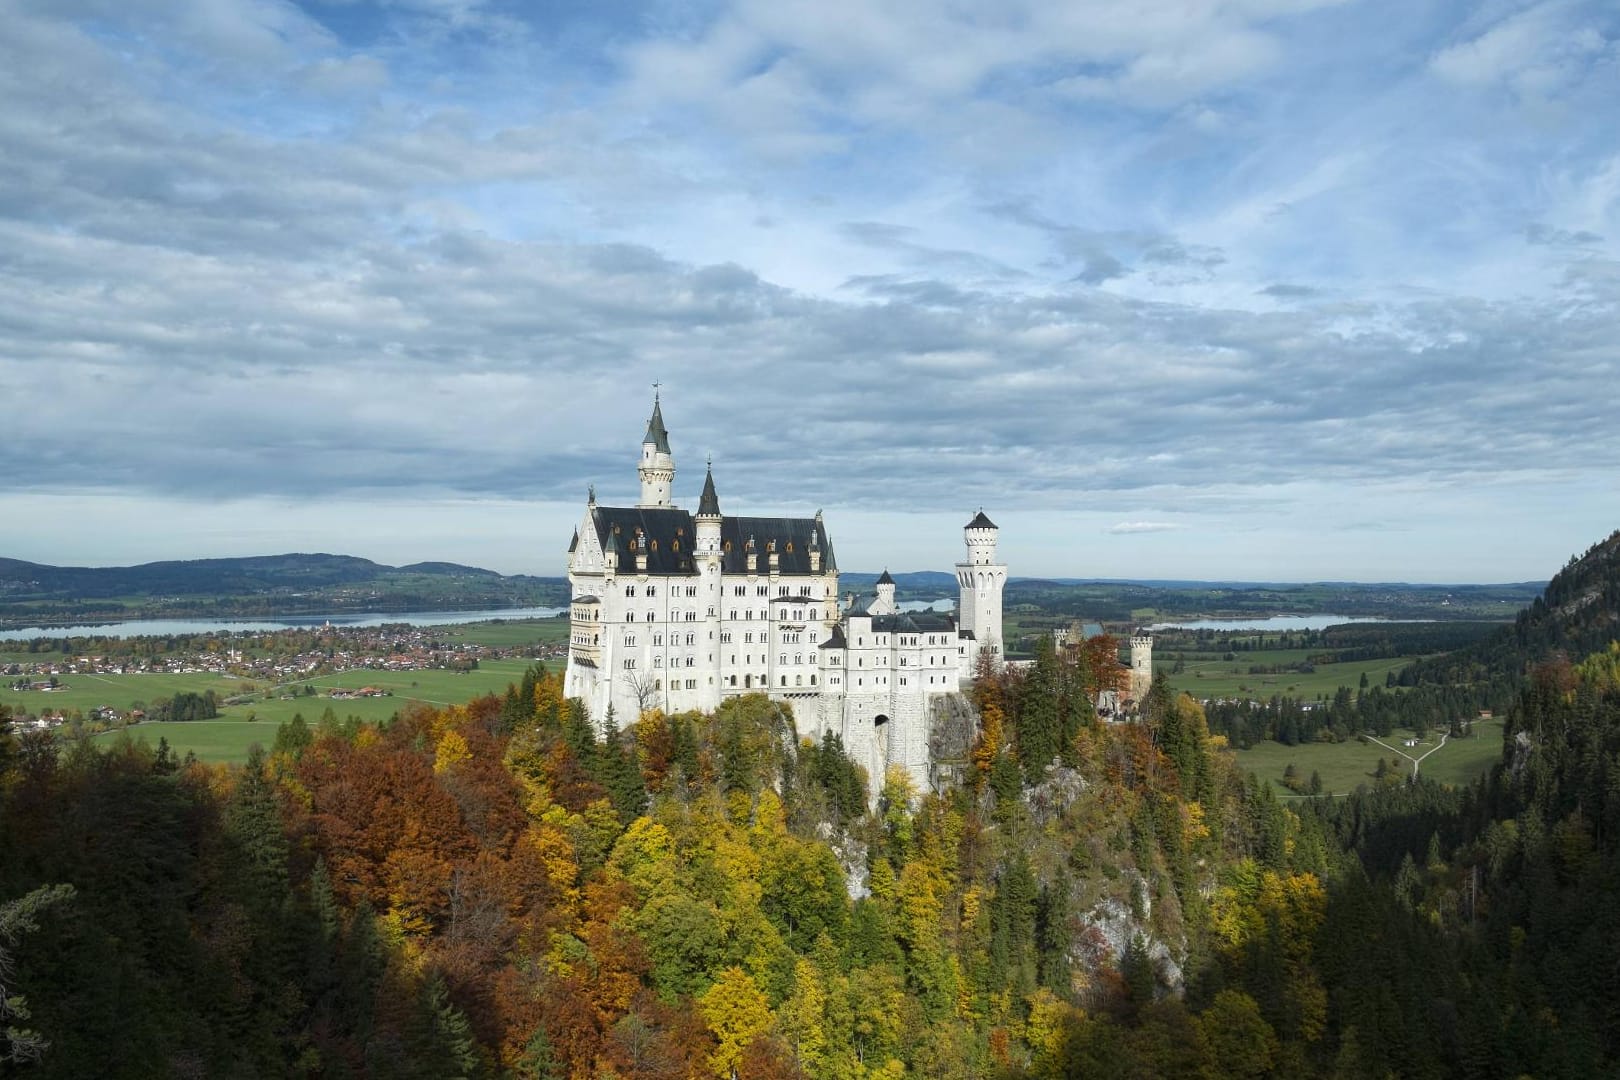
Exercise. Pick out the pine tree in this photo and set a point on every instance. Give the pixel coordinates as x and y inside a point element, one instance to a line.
<point>1038,722</point>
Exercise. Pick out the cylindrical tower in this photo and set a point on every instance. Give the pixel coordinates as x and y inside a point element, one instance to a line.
<point>980,580</point>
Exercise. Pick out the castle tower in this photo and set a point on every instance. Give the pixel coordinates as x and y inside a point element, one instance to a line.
<point>657,467</point>
<point>1141,664</point>
<point>980,580</point>
<point>706,528</point>
<point>884,604</point>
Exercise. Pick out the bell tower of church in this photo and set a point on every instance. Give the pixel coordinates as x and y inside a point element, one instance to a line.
<point>657,465</point>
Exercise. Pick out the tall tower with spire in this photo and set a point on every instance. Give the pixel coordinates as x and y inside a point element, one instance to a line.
<point>980,580</point>
<point>657,466</point>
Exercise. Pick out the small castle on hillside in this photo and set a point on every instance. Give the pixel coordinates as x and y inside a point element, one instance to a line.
<point>1137,678</point>
<point>678,610</point>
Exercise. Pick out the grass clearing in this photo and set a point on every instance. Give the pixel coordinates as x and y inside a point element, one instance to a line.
<point>1347,765</point>
<point>210,740</point>
<point>508,634</point>
<point>1232,679</point>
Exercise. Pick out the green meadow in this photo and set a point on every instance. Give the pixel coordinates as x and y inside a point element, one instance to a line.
<point>1345,766</point>
<point>239,726</point>
<point>1231,678</point>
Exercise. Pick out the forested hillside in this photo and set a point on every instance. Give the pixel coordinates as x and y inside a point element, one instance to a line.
<point>492,890</point>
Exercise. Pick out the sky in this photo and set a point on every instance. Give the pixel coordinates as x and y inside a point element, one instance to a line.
<point>1281,290</point>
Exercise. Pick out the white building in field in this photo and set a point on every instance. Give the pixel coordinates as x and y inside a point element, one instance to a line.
<point>677,610</point>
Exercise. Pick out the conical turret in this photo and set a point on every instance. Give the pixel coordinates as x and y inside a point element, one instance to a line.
<point>657,466</point>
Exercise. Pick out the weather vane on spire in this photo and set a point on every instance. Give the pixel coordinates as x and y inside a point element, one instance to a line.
<point>656,385</point>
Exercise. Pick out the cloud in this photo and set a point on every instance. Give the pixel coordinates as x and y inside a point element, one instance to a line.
<point>1537,51</point>
<point>1547,235</point>
<point>1126,528</point>
<point>432,253</point>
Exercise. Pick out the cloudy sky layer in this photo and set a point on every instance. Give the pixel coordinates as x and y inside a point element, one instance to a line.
<point>1251,289</point>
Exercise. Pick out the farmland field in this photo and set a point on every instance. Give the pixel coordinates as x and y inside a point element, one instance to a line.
<point>210,740</point>
<point>86,692</point>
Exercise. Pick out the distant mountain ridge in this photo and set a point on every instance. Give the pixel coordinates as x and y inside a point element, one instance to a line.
<point>290,584</point>
<point>191,577</point>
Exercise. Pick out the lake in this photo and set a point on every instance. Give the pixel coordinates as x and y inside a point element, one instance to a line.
<point>166,627</point>
<point>1273,622</point>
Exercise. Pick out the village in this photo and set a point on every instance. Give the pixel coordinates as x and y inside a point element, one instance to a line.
<point>51,690</point>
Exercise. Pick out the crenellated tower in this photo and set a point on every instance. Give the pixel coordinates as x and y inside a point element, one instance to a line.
<point>1141,664</point>
<point>657,466</point>
<point>980,580</point>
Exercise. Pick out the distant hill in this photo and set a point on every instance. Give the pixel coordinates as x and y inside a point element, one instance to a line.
<point>296,583</point>
<point>910,585</point>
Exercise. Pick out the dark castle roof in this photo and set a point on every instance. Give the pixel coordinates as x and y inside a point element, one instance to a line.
<point>884,578</point>
<point>669,535</point>
<point>656,434</point>
<point>794,537</point>
<point>981,522</point>
<point>914,622</point>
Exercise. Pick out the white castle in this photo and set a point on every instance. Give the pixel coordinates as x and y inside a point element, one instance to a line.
<point>674,611</point>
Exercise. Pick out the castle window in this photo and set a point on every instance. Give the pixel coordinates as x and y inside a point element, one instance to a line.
<point>691,684</point>
<point>691,639</point>
<point>629,616</point>
<point>652,590</point>
<point>658,639</point>
<point>798,680</point>
<point>728,547</point>
<point>630,664</point>
<point>629,639</point>
<point>658,661</point>
<point>813,679</point>
<point>691,661</point>
<point>649,616</point>
<point>784,680</point>
<point>655,546</point>
<point>790,547</point>
<point>674,545</point>
<point>629,590</point>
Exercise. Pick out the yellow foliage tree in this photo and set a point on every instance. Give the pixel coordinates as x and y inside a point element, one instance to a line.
<point>451,751</point>
<point>737,1013</point>
<point>803,1019</point>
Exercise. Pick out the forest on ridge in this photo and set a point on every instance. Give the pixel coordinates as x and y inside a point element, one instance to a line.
<point>495,890</point>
